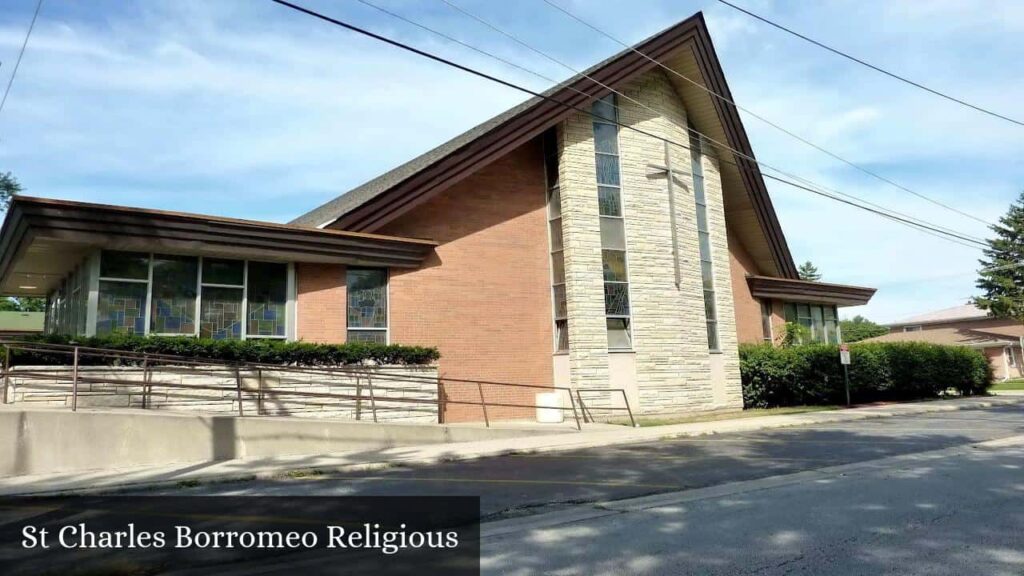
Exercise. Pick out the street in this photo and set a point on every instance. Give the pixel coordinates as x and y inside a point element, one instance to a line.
<point>916,494</point>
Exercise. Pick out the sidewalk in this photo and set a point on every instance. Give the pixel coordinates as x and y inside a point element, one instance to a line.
<point>229,470</point>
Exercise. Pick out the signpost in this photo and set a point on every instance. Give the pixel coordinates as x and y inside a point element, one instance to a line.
<point>844,359</point>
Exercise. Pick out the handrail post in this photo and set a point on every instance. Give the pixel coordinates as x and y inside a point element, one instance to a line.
<point>359,398</point>
<point>238,388</point>
<point>628,409</point>
<point>440,400</point>
<point>483,404</point>
<point>145,381</point>
<point>74,383</point>
<point>583,407</point>
<point>373,400</point>
<point>574,413</point>
<point>7,370</point>
<point>259,394</point>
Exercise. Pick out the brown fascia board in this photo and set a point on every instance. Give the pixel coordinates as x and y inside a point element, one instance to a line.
<point>28,217</point>
<point>788,289</point>
<point>537,118</point>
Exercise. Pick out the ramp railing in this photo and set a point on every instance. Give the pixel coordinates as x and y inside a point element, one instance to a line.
<point>360,388</point>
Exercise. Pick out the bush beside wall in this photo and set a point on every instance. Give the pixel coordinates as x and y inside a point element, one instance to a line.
<point>256,350</point>
<point>812,375</point>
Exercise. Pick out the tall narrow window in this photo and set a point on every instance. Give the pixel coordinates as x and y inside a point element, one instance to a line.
<point>266,297</point>
<point>766,320</point>
<point>367,305</point>
<point>704,242</point>
<point>124,283</point>
<point>613,226</point>
<point>174,295</point>
<point>220,304</point>
<point>559,302</point>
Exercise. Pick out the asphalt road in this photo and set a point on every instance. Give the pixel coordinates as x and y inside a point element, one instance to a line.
<point>512,486</point>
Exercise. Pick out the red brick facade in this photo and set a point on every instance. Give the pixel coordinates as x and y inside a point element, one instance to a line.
<point>320,303</point>
<point>484,297</point>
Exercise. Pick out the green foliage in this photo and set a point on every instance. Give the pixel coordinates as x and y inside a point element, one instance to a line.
<point>879,371</point>
<point>260,350</point>
<point>860,328</point>
<point>809,272</point>
<point>1002,276</point>
<point>26,304</point>
<point>794,334</point>
<point>9,186</point>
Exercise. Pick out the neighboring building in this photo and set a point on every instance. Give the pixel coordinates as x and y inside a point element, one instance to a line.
<point>1000,339</point>
<point>540,247</point>
<point>13,322</point>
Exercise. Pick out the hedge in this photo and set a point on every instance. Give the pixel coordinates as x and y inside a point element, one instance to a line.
<point>879,371</point>
<point>265,351</point>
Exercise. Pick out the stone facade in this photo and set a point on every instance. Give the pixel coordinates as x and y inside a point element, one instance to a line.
<point>674,370</point>
<point>217,392</point>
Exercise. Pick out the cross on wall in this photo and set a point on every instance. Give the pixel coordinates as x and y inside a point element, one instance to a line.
<point>670,174</point>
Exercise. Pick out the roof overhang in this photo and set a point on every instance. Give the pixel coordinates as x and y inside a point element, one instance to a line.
<point>42,240</point>
<point>786,289</point>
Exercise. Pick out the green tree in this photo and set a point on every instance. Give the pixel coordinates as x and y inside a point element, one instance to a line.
<point>809,272</point>
<point>1001,278</point>
<point>859,328</point>
<point>10,187</point>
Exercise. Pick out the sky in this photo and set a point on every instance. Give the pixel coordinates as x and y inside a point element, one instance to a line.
<point>250,110</point>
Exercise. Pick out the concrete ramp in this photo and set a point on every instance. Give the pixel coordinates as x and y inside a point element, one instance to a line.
<point>42,441</point>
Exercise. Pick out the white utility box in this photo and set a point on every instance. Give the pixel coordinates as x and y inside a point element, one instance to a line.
<point>549,408</point>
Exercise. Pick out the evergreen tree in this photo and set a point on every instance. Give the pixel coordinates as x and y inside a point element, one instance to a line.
<point>1001,278</point>
<point>809,272</point>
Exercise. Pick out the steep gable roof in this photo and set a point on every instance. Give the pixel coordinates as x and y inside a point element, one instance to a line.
<point>381,200</point>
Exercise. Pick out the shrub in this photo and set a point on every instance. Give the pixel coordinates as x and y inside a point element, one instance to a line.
<point>812,375</point>
<point>261,350</point>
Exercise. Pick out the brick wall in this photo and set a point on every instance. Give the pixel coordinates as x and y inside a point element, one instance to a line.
<point>484,297</point>
<point>748,309</point>
<point>321,301</point>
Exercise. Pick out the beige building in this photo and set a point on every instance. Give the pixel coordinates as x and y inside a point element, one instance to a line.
<point>1000,339</point>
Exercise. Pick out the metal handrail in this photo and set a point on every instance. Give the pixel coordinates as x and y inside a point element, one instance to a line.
<point>153,362</point>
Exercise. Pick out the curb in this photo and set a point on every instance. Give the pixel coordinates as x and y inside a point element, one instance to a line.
<point>286,467</point>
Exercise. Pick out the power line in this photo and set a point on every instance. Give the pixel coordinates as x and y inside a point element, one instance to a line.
<point>691,130</point>
<point>873,67</point>
<point>915,222</point>
<point>945,234</point>
<point>21,53</point>
<point>765,120</point>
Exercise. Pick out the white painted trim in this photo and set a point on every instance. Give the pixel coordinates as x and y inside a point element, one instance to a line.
<point>93,304</point>
<point>290,302</point>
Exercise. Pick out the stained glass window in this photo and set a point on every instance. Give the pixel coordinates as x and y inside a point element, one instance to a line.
<point>367,304</point>
<point>613,226</point>
<point>220,315</point>
<point>173,307</point>
<point>557,242</point>
<point>266,297</point>
<point>704,241</point>
<point>127,265</point>
<point>121,308</point>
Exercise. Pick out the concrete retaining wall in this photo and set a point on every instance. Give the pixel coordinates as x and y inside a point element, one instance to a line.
<point>122,387</point>
<point>41,441</point>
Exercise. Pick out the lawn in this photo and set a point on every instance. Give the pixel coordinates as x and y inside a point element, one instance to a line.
<point>1008,385</point>
<point>724,415</point>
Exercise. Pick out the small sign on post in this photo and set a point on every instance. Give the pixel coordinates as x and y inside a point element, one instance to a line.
<point>844,359</point>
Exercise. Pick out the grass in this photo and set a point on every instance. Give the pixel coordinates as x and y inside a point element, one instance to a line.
<point>665,420</point>
<point>1009,385</point>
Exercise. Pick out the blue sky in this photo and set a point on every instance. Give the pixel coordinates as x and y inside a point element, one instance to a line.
<point>247,109</point>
